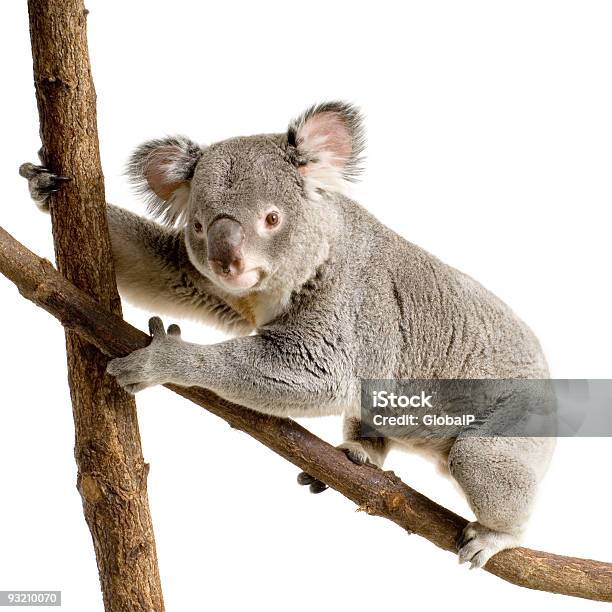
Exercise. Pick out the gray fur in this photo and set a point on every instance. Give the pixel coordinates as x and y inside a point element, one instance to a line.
<point>339,298</point>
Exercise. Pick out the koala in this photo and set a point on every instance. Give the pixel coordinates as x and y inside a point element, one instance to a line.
<point>257,236</point>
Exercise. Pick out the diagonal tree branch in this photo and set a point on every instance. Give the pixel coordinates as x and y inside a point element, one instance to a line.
<point>112,475</point>
<point>375,491</point>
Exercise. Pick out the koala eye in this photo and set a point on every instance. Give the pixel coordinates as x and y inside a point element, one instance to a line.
<point>197,226</point>
<point>272,219</point>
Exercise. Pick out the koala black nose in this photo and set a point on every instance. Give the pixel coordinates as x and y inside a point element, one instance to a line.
<point>225,238</point>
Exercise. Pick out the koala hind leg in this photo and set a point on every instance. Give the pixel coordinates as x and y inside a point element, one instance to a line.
<point>499,478</point>
<point>371,451</point>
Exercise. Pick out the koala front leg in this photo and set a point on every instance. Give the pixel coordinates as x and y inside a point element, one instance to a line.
<point>275,374</point>
<point>371,451</point>
<point>151,261</point>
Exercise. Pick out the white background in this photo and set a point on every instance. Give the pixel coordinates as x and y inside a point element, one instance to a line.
<point>490,144</point>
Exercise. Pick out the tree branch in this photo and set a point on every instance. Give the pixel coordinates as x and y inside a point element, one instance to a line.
<point>112,475</point>
<point>375,491</point>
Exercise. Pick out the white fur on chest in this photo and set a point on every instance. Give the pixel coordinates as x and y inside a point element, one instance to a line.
<point>260,308</point>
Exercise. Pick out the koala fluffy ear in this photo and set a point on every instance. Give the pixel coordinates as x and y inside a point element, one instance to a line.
<point>327,141</point>
<point>162,170</point>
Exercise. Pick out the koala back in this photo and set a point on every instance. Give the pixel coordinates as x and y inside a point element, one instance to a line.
<point>400,312</point>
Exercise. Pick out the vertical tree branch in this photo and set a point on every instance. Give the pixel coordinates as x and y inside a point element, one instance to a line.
<point>112,475</point>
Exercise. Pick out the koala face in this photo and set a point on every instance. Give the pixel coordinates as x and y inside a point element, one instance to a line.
<point>245,205</point>
<point>256,212</point>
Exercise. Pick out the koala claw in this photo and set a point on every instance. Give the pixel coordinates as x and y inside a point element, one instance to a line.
<point>356,453</point>
<point>41,182</point>
<point>147,366</point>
<point>477,544</point>
<point>315,486</point>
<point>463,539</point>
<point>353,450</point>
<point>305,479</point>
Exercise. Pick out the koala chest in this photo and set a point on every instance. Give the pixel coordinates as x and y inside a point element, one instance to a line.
<point>245,307</point>
<point>259,308</point>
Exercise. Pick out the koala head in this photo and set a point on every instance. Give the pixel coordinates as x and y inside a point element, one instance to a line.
<point>257,212</point>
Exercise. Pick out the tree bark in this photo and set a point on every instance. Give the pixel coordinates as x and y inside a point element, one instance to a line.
<point>112,475</point>
<point>374,491</point>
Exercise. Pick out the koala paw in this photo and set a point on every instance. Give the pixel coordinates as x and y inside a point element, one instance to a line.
<point>315,486</point>
<point>354,451</point>
<point>147,366</point>
<point>41,182</point>
<point>477,544</point>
